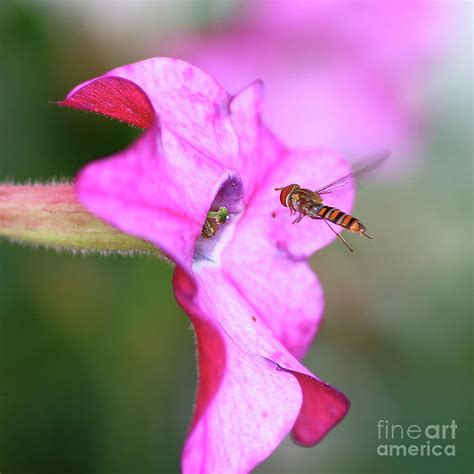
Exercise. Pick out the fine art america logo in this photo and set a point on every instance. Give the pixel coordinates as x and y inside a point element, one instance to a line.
<point>416,440</point>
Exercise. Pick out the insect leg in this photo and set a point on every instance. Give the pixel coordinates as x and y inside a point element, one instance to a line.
<point>298,219</point>
<point>339,235</point>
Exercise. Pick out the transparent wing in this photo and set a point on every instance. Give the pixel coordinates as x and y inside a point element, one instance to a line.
<point>362,167</point>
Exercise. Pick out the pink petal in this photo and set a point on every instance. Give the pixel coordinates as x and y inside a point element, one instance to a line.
<point>258,150</point>
<point>335,101</point>
<point>146,191</point>
<point>284,294</point>
<point>161,188</point>
<point>251,390</point>
<point>372,26</point>
<point>336,73</point>
<point>186,101</point>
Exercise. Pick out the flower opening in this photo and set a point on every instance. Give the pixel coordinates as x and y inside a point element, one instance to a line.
<point>226,208</point>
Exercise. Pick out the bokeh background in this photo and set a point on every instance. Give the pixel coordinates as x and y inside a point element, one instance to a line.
<point>97,361</point>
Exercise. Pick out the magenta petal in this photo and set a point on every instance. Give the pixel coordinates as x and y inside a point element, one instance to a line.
<point>258,150</point>
<point>284,294</point>
<point>161,188</point>
<point>187,102</point>
<point>336,73</point>
<point>246,402</point>
<point>323,408</point>
<point>335,101</point>
<point>142,192</point>
<point>114,97</point>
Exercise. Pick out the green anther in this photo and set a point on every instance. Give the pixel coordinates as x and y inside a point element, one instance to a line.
<point>221,216</point>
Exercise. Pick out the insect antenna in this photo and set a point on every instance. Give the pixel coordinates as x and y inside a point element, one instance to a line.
<point>340,236</point>
<point>368,236</point>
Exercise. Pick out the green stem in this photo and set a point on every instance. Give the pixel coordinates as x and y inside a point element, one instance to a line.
<point>50,215</point>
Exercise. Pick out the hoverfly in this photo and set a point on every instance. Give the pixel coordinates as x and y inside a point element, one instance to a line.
<point>305,202</point>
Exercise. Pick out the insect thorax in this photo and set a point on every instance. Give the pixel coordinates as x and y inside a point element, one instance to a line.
<point>306,202</point>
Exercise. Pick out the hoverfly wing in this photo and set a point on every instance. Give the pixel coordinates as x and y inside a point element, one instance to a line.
<point>362,167</point>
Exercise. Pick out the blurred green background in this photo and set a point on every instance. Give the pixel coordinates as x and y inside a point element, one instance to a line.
<point>97,362</point>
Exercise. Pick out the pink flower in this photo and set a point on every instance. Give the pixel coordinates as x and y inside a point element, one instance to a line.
<point>253,300</point>
<point>344,74</point>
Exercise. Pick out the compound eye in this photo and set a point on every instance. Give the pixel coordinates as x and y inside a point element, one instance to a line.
<point>285,193</point>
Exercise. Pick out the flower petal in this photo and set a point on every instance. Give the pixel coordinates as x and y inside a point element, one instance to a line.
<point>336,100</point>
<point>162,187</point>
<point>336,73</point>
<point>283,293</point>
<point>114,97</point>
<point>259,150</point>
<point>186,101</point>
<point>146,191</point>
<point>198,137</point>
<point>323,407</point>
<point>246,402</point>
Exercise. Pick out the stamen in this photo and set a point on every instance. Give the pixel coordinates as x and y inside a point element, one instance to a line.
<point>220,216</point>
<point>213,220</point>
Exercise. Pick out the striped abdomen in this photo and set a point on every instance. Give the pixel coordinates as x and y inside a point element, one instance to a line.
<point>336,216</point>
